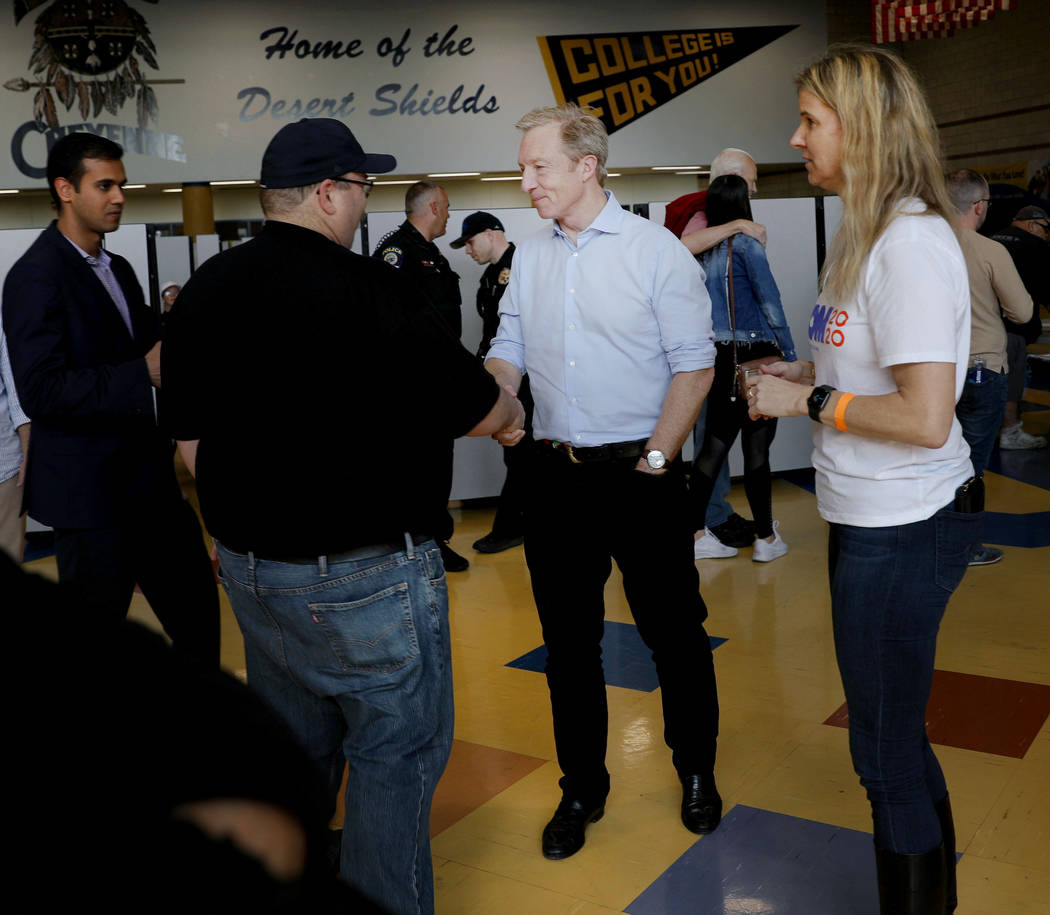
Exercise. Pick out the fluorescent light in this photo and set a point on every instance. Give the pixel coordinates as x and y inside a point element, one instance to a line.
<point>133,187</point>
<point>504,178</point>
<point>672,168</point>
<point>612,175</point>
<point>383,183</point>
<point>9,191</point>
<point>454,175</point>
<point>693,172</point>
<point>172,190</point>
<point>229,183</point>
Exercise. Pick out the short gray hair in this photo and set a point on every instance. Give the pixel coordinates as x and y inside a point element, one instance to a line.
<point>582,134</point>
<point>419,195</point>
<point>279,201</point>
<point>966,187</point>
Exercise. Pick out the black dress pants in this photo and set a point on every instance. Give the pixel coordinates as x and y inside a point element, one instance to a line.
<point>580,518</point>
<point>162,550</point>
<point>514,496</point>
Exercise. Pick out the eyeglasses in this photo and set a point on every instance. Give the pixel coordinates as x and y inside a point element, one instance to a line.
<point>367,185</point>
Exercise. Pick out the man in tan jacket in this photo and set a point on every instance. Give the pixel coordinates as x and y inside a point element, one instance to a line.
<point>995,289</point>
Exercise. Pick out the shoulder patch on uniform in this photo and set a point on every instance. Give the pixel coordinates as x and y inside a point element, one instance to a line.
<point>504,276</point>
<point>393,256</point>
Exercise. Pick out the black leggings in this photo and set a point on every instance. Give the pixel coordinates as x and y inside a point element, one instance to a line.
<point>725,419</point>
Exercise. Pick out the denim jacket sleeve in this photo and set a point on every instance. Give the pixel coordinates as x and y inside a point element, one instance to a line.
<point>768,296</point>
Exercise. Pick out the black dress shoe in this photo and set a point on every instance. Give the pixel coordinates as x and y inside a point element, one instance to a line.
<point>495,543</point>
<point>701,804</point>
<point>452,561</point>
<point>563,835</point>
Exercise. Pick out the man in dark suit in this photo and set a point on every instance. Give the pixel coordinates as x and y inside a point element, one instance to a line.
<point>85,353</point>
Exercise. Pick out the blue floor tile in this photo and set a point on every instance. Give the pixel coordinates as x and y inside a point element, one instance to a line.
<point>758,861</point>
<point>626,660</point>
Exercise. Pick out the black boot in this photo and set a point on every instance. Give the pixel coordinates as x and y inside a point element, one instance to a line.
<point>944,814</point>
<point>911,884</point>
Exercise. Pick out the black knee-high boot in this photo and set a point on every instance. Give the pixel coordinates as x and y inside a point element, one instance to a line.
<point>911,884</point>
<point>944,814</point>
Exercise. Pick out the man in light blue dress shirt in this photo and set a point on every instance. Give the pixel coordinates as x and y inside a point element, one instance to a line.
<point>609,315</point>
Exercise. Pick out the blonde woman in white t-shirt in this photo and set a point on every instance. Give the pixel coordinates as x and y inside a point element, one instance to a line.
<point>890,336</point>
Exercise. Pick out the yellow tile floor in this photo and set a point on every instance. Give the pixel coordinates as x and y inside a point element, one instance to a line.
<point>777,683</point>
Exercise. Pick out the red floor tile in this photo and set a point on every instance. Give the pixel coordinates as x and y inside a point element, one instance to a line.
<point>979,713</point>
<point>474,775</point>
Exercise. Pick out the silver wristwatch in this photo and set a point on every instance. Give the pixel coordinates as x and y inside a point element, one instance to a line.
<point>655,459</point>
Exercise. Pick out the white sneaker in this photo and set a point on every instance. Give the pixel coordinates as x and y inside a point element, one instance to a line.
<point>710,547</point>
<point>767,552</point>
<point>1014,438</point>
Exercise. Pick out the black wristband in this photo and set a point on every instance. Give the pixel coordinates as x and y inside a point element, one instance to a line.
<point>816,401</point>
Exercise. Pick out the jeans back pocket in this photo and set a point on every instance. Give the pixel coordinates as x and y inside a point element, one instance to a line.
<point>375,634</point>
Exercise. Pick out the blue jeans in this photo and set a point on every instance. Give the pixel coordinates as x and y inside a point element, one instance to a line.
<point>889,589</point>
<point>980,412</point>
<point>718,508</point>
<point>355,657</point>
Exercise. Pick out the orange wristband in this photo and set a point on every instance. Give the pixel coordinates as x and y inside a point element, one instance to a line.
<point>840,412</point>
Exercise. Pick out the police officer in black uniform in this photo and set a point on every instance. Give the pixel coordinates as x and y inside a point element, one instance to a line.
<point>485,241</point>
<point>411,249</point>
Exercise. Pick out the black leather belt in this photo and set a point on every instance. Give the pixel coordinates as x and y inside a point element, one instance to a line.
<point>613,451</point>
<point>372,551</point>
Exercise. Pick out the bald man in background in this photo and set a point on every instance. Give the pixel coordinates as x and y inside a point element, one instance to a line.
<point>686,217</point>
<point>411,249</point>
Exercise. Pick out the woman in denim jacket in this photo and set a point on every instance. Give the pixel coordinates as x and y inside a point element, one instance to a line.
<point>761,330</point>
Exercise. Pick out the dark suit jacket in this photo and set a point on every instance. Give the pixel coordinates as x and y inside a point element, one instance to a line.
<point>96,456</point>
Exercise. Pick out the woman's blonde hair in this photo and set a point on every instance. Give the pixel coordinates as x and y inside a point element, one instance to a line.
<point>890,150</point>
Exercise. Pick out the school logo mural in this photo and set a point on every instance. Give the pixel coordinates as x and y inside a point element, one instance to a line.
<point>91,54</point>
<point>625,75</point>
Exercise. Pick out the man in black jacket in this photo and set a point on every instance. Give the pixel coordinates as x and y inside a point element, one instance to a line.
<point>486,242</point>
<point>86,356</point>
<point>411,249</point>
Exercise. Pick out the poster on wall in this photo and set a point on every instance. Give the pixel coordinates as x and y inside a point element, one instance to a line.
<point>193,90</point>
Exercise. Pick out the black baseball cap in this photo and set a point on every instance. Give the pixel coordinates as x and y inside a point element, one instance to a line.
<point>474,223</point>
<point>313,149</point>
<point>1034,213</point>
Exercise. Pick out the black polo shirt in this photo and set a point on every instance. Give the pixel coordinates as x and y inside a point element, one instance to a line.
<point>321,387</point>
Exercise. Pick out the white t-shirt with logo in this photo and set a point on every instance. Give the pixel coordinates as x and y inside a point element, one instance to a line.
<point>913,305</point>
